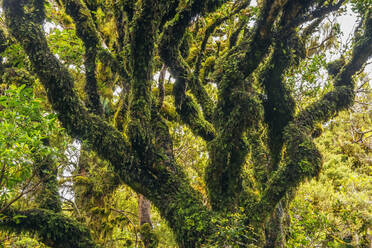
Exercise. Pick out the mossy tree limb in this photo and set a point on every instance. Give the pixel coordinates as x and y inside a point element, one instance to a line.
<point>85,29</point>
<point>170,43</point>
<point>46,169</point>
<point>237,106</point>
<point>237,111</point>
<point>53,229</point>
<point>302,157</point>
<point>279,105</point>
<point>168,190</point>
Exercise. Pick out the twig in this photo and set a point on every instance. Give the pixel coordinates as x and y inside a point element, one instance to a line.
<point>23,192</point>
<point>130,221</point>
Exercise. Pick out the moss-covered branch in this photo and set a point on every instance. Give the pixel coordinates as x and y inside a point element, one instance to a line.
<point>279,105</point>
<point>85,29</point>
<point>108,59</point>
<point>210,30</point>
<point>302,159</point>
<point>186,106</point>
<point>46,170</point>
<point>3,41</point>
<point>318,12</point>
<point>237,111</point>
<point>169,52</point>
<point>236,105</point>
<point>142,41</point>
<point>196,87</point>
<point>53,229</point>
<point>59,84</point>
<point>169,190</point>
<point>233,39</point>
<point>343,94</point>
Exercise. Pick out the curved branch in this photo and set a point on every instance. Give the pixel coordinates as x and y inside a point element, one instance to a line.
<point>235,66</point>
<point>86,31</point>
<point>169,190</point>
<point>343,95</point>
<point>320,12</point>
<point>209,31</point>
<point>303,158</point>
<point>238,110</point>
<point>233,39</point>
<point>53,229</point>
<point>169,52</point>
<point>279,105</point>
<point>112,61</point>
<point>196,87</point>
<point>59,84</point>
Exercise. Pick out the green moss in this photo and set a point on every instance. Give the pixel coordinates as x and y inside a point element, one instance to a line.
<point>55,230</point>
<point>46,170</point>
<point>148,236</point>
<point>279,105</point>
<point>85,29</point>
<point>82,180</point>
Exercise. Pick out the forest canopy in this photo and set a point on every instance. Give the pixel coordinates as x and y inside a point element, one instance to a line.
<point>185,123</point>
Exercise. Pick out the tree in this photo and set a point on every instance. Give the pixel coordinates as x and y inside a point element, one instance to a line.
<point>234,96</point>
<point>331,211</point>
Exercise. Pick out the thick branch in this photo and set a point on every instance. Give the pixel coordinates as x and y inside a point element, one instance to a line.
<point>279,105</point>
<point>169,52</point>
<point>343,95</point>
<point>235,66</point>
<point>59,84</point>
<point>142,38</point>
<point>196,87</point>
<point>237,111</point>
<point>111,61</point>
<point>53,229</point>
<point>168,189</point>
<point>320,12</point>
<point>303,158</point>
<point>209,31</point>
<point>48,197</point>
<point>86,31</point>
<point>233,39</point>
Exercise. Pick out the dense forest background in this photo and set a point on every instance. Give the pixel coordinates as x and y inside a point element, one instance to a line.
<point>42,166</point>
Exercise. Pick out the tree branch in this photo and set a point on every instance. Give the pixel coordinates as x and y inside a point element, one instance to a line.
<point>279,105</point>
<point>319,13</point>
<point>112,61</point>
<point>238,110</point>
<point>209,31</point>
<point>86,31</point>
<point>169,52</point>
<point>53,229</point>
<point>169,190</point>
<point>303,158</point>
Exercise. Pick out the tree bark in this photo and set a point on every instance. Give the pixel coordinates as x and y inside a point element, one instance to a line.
<point>147,235</point>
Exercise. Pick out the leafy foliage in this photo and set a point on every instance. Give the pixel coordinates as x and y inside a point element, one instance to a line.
<point>23,127</point>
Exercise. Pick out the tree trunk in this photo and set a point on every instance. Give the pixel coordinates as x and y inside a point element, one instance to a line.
<point>147,235</point>
<point>276,227</point>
